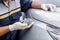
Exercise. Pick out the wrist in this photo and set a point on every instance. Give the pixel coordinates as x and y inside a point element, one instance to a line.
<point>11,27</point>
<point>4,30</point>
<point>44,7</point>
<point>7,28</point>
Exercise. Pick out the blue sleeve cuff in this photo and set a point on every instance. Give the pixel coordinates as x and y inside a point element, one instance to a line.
<point>25,4</point>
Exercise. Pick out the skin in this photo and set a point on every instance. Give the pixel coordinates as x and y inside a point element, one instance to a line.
<point>6,1</point>
<point>5,29</point>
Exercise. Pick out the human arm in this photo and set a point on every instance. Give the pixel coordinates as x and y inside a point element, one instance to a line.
<point>16,26</point>
<point>45,7</point>
<point>26,4</point>
<point>4,30</point>
<point>36,5</point>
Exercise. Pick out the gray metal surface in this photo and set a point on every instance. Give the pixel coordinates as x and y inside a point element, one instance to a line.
<point>46,16</point>
<point>37,32</point>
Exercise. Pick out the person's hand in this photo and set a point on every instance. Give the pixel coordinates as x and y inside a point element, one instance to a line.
<point>20,26</point>
<point>48,7</point>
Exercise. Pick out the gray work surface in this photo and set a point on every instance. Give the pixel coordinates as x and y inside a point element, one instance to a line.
<point>37,33</point>
<point>49,17</point>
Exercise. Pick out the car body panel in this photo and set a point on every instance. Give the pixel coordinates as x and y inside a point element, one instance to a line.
<point>37,33</point>
<point>42,19</point>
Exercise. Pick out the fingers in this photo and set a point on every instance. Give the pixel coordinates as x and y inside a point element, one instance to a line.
<point>28,26</point>
<point>23,24</point>
<point>29,23</point>
<point>48,7</point>
<point>19,26</point>
<point>51,7</point>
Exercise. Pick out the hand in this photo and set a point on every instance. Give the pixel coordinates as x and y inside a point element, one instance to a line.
<point>48,7</point>
<point>20,26</point>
